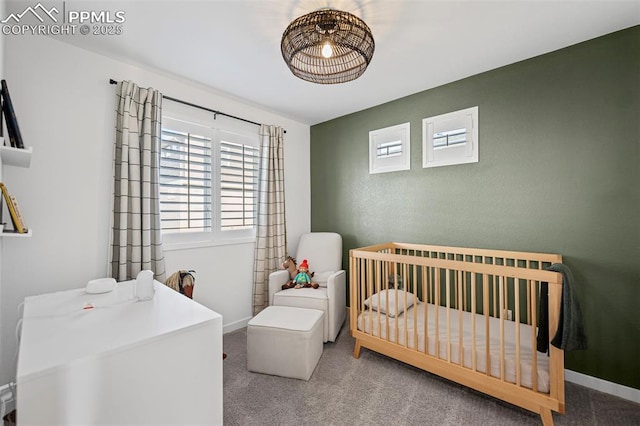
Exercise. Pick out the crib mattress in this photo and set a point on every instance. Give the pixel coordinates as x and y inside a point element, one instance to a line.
<point>404,329</point>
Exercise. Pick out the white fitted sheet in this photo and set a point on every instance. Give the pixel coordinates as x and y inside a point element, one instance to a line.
<point>407,324</point>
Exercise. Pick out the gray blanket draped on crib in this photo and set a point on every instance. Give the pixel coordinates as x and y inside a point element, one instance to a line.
<point>570,334</point>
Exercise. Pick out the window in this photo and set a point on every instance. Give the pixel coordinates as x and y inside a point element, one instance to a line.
<point>185,178</point>
<point>450,138</point>
<point>238,182</point>
<point>208,179</point>
<point>389,149</point>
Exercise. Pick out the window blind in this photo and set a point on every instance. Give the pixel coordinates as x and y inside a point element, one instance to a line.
<point>238,185</point>
<point>185,181</point>
<point>450,138</point>
<point>389,149</point>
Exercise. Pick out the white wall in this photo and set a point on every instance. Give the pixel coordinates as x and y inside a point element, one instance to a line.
<point>65,108</point>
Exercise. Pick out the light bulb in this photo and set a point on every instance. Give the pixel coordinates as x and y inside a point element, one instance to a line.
<point>327,51</point>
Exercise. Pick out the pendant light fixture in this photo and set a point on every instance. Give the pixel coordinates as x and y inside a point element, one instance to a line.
<point>327,46</point>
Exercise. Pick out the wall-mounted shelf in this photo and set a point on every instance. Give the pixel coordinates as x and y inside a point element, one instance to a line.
<point>27,234</point>
<point>18,157</point>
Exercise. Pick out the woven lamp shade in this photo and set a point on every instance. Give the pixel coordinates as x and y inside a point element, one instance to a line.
<point>350,40</point>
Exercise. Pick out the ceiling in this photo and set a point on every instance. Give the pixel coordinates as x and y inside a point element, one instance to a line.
<point>234,46</point>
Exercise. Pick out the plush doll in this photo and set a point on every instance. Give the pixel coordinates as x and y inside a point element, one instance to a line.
<point>303,279</point>
<point>290,265</point>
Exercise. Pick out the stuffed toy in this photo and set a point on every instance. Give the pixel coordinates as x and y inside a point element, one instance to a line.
<point>182,281</point>
<point>302,277</point>
<point>393,280</point>
<point>290,265</point>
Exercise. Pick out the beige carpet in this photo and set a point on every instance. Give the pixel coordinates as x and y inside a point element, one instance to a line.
<point>376,390</point>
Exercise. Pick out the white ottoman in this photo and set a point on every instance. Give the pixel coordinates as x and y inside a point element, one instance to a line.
<point>285,341</point>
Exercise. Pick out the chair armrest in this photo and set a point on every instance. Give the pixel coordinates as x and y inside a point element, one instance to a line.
<point>276,280</point>
<point>337,295</point>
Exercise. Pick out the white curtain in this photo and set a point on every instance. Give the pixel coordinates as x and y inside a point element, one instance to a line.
<point>136,240</point>
<point>271,237</point>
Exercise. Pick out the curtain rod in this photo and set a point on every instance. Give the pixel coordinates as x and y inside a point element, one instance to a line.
<point>112,81</point>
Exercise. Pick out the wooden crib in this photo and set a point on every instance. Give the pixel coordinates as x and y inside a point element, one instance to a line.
<point>469,315</point>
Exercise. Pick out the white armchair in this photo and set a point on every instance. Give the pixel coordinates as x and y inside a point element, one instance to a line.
<point>323,250</point>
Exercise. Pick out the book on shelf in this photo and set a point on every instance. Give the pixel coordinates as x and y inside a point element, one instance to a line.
<point>7,141</point>
<point>16,218</point>
<point>19,214</point>
<point>1,115</point>
<point>13,130</point>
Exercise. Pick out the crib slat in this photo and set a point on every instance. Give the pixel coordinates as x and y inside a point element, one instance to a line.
<point>464,293</point>
<point>394,271</point>
<point>425,289</point>
<point>382,285</point>
<point>455,290</point>
<point>556,355</point>
<point>382,319</point>
<point>505,286</point>
<point>404,280</point>
<point>430,286</point>
<point>502,315</point>
<point>355,297</point>
<point>529,305</point>
<point>516,296</point>
<point>495,296</point>
<point>370,286</point>
<point>448,295</point>
<point>473,322</point>
<point>528,294</point>
<point>363,281</point>
<point>434,298</point>
<point>416,346</point>
<point>534,350</point>
<point>485,299</point>
<point>437,310</point>
<point>460,331</point>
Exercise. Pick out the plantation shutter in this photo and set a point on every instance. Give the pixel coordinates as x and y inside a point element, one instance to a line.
<point>238,183</point>
<point>185,179</point>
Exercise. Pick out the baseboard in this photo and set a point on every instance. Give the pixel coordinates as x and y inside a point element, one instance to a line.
<point>237,325</point>
<point>602,385</point>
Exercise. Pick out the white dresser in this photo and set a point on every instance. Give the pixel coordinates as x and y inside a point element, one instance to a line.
<point>122,362</point>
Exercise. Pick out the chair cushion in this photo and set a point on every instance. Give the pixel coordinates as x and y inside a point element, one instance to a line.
<point>310,298</point>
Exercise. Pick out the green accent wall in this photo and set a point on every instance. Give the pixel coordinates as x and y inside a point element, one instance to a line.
<point>558,172</point>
